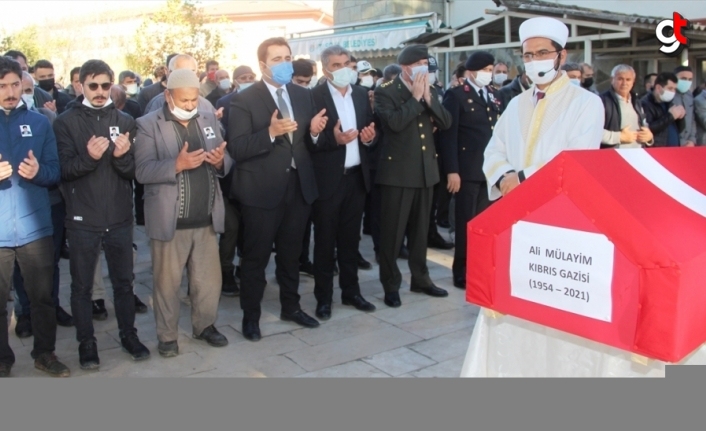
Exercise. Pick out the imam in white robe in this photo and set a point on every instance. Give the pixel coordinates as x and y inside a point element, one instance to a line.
<point>527,136</point>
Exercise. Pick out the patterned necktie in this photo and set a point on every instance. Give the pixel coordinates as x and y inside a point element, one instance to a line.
<point>285,114</point>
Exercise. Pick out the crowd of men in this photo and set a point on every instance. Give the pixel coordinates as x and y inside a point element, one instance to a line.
<point>222,168</point>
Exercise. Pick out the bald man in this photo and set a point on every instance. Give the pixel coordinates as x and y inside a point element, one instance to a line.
<point>224,87</point>
<point>182,61</point>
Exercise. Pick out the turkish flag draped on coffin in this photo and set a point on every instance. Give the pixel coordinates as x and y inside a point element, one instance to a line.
<point>609,245</point>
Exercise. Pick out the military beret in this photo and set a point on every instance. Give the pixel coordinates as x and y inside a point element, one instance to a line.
<point>478,60</point>
<point>412,54</point>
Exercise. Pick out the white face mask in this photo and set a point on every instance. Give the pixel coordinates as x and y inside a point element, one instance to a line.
<point>544,67</point>
<point>343,77</point>
<point>88,104</point>
<point>432,78</point>
<point>314,81</point>
<point>182,114</point>
<point>245,85</point>
<point>667,96</point>
<point>367,81</point>
<point>28,99</point>
<point>483,78</point>
<point>499,78</point>
<point>224,84</point>
<point>575,81</point>
<point>131,89</point>
<point>419,69</point>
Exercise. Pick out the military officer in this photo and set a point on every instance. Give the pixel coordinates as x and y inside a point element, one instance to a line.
<point>474,108</point>
<point>408,108</point>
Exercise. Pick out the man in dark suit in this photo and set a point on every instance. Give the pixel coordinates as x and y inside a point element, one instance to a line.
<point>270,125</point>
<point>474,108</point>
<point>343,178</point>
<point>409,109</point>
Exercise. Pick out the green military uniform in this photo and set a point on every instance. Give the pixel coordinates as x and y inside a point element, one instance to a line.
<point>407,173</point>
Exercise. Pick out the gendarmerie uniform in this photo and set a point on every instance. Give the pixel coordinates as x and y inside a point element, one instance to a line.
<point>407,173</point>
<point>474,112</point>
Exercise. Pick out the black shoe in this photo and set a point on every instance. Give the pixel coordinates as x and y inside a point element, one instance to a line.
<point>437,241</point>
<point>212,337</point>
<point>132,345</point>
<point>65,251</point>
<point>363,264</point>
<point>63,318</point>
<point>49,363</point>
<point>461,284</point>
<point>443,223</point>
<point>404,253</point>
<point>359,303</point>
<point>23,328</point>
<point>431,291</point>
<point>367,231</point>
<point>323,310</point>
<point>230,286</point>
<point>307,268</point>
<point>169,349</point>
<point>251,330</point>
<point>393,299</point>
<point>88,355</point>
<point>140,306</point>
<point>99,311</point>
<point>5,370</point>
<point>300,318</point>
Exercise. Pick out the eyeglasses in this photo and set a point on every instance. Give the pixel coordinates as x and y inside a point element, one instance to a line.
<point>93,86</point>
<point>539,55</point>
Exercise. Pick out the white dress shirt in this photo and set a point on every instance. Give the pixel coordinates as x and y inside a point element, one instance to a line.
<point>478,89</point>
<point>287,100</point>
<point>346,112</point>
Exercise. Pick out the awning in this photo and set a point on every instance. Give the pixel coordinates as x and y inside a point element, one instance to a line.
<point>380,38</point>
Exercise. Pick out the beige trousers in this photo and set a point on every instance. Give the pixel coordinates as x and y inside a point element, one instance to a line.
<point>197,250</point>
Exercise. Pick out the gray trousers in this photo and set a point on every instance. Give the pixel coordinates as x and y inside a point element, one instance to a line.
<point>196,250</point>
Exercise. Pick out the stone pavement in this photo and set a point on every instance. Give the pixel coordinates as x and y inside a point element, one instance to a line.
<point>426,337</point>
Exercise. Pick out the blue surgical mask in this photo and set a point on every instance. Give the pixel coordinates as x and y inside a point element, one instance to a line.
<point>282,72</point>
<point>244,86</point>
<point>419,69</point>
<point>683,85</point>
<point>575,81</point>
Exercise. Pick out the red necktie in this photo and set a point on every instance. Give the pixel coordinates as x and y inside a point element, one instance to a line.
<point>540,95</point>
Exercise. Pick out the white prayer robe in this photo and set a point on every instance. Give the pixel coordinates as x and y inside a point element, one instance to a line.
<point>527,136</point>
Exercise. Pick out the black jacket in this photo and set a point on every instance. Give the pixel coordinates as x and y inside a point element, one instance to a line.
<point>659,121</point>
<point>148,93</point>
<point>473,120</point>
<point>613,119</point>
<point>98,193</point>
<point>262,167</point>
<point>509,92</point>
<point>329,158</point>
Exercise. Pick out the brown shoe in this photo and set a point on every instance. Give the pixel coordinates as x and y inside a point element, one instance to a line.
<point>49,363</point>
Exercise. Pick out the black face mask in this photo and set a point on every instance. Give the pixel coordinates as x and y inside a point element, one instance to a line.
<point>46,84</point>
<point>587,83</point>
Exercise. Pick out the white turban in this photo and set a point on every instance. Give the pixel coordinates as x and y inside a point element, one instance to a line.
<point>548,28</point>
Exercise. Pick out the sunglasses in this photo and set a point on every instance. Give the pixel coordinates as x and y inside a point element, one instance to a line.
<point>93,86</point>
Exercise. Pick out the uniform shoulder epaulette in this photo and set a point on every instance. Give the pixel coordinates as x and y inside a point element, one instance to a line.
<point>386,84</point>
